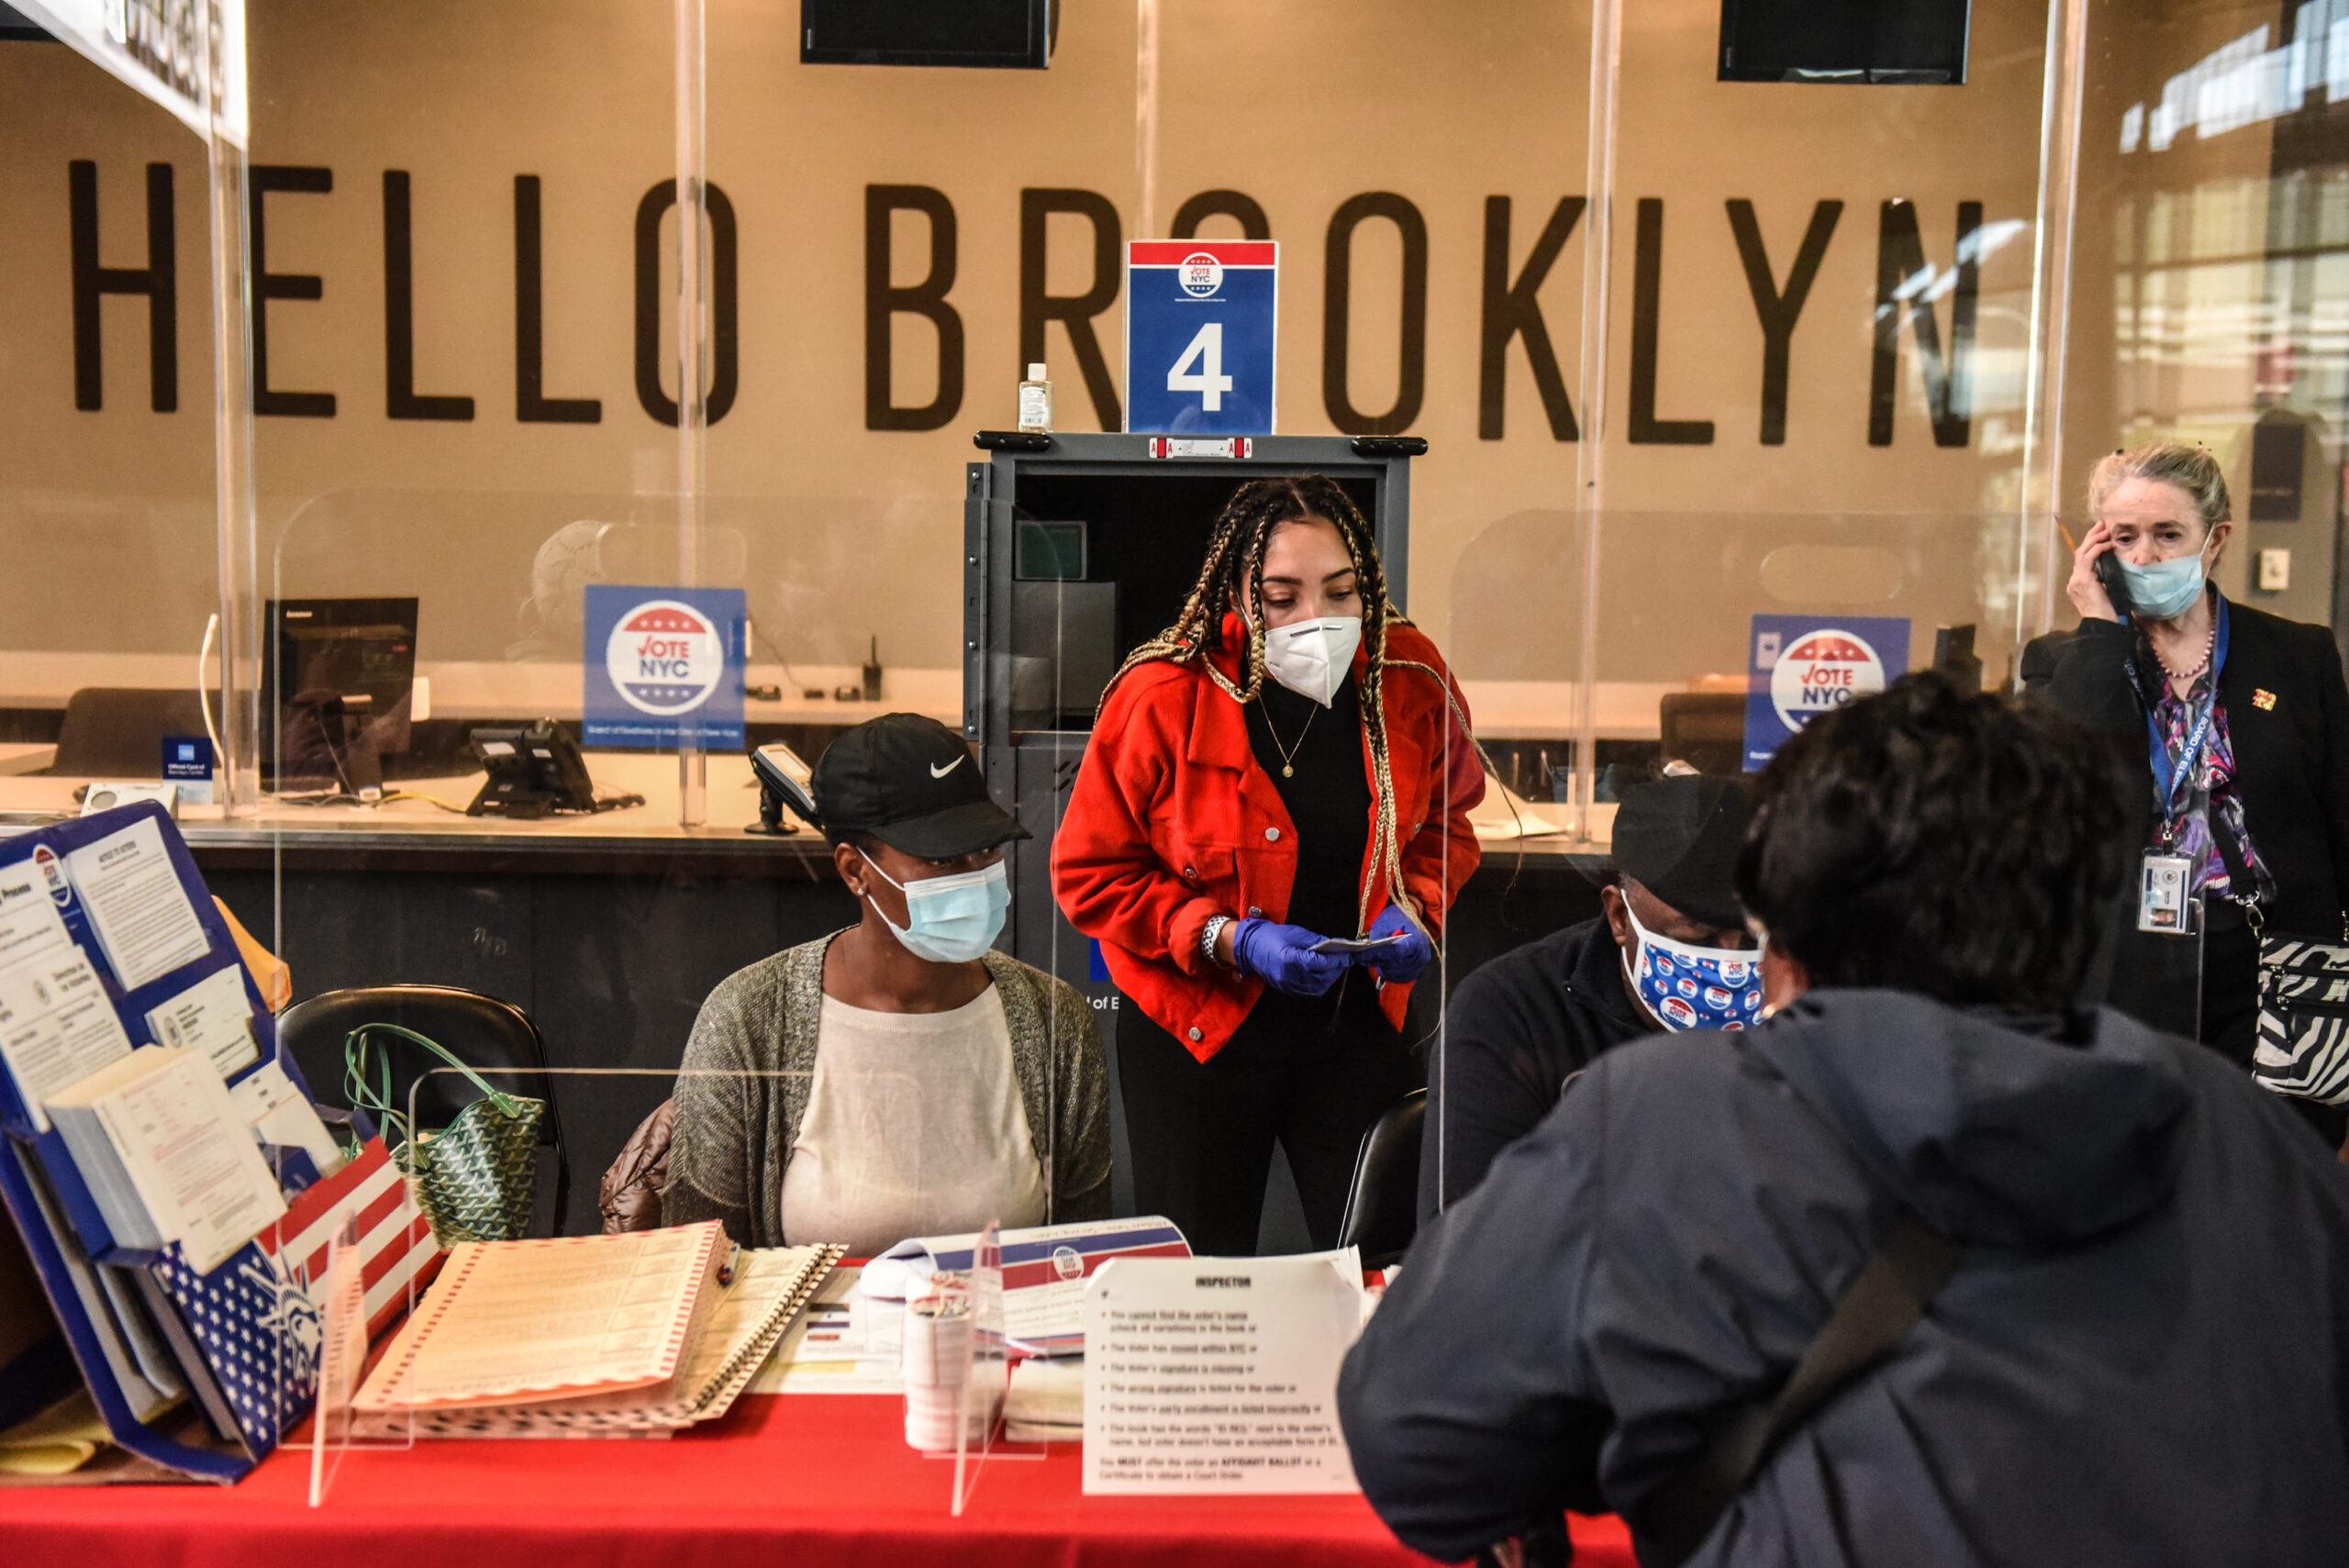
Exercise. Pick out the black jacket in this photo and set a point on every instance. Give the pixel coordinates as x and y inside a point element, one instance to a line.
<point>2291,755</point>
<point>1517,1029</point>
<point>2141,1359</point>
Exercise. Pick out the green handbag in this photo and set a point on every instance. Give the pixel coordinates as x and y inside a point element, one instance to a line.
<point>475,1177</point>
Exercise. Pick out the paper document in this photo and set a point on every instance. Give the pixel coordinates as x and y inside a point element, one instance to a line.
<point>741,1327</point>
<point>29,923</point>
<point>277,1113</point>
<point>845,1343</point>
<point>213,1016</point>
<point>166,1156</point>
<point>56,1026</point>
<point>509,1321</point>
<point>1046,1400</point>
<point>768,1280</point>
<point>1044,1271</point>
<point>1219,1374</point>
<point>1504,813</point>
<point>136,903</point>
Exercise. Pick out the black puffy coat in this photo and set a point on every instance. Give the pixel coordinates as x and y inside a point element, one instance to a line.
<point>2140,1360</point>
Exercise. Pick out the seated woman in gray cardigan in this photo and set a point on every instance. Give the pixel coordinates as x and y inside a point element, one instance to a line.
<point>917,1083</point>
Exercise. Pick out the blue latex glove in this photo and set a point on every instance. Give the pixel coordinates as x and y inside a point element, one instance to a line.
<point>1402,962</point>
<point>1284,959</point>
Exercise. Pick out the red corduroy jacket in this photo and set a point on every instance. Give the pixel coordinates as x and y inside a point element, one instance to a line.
<point>1171,822</point>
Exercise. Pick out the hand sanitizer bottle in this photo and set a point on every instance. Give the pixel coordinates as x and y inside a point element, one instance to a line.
<point>1036,401</point>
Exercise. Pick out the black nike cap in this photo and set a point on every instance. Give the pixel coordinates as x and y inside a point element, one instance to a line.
<point>912,783</point>
<point>1680,839</point>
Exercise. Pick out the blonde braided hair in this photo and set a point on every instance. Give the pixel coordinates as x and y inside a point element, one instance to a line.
<point>1233,574</point>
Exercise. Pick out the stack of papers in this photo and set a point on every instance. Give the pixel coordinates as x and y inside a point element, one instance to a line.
<point>166,1156</point>
<point>589,1336</point>
<point>1046,1404</point>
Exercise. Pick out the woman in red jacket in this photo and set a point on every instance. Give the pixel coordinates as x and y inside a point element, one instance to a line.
<point>1289,762</point>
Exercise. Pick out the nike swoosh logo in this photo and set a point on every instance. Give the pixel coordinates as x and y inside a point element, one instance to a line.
<point>937,772</point>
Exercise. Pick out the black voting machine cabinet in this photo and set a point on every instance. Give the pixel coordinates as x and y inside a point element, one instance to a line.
<point>1078,551</point>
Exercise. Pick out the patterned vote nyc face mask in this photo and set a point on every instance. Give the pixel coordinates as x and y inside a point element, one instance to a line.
<point>1689,987</point>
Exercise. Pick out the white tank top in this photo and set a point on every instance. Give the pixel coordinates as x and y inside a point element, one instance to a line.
<point>913,1127</point>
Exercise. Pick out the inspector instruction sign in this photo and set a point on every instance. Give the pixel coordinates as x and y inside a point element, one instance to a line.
<point>664,666</point>
<point>1801,666</point>
<point>1219,1374</point>
<point>1202,336</point>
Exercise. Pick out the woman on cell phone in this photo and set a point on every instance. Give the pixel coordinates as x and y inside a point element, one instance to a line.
<point>2237,726</point>
<point>1285,766</point>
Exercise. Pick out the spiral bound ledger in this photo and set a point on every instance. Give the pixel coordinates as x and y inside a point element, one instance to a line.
<point>741,1325</point>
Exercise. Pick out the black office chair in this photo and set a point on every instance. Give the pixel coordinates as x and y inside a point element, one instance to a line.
<point>1705,729</point>
<point>481,1031</point>
<point>118,732</point>
<point>1383,1208</point>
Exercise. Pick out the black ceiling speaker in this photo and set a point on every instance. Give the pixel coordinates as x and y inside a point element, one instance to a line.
<point>1910,42</point>
<point>1015,35</point>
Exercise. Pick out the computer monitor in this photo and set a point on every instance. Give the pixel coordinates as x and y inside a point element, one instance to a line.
<point>338,679</point>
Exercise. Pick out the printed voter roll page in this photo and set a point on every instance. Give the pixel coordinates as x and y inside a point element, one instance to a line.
<point>136,903</point>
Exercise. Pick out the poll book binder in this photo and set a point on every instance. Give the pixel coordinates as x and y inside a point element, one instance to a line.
<point>67,1238</point>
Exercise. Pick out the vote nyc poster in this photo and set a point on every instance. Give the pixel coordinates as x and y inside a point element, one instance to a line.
<point>664,667</point>
<point>1801,666</point>
<point>1202,336</point>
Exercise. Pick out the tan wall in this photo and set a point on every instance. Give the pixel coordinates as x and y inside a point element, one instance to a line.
<point>850,531</point>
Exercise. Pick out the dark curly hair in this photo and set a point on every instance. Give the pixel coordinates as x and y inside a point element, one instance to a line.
<point>1964,848</point>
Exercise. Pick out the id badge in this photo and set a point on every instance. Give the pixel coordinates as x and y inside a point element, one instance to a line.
<point>2165,901</point>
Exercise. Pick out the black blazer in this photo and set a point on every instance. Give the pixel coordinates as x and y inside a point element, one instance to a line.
<point>2292,753</point>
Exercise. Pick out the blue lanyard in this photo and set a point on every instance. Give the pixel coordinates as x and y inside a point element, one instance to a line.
<point>2167,771</point>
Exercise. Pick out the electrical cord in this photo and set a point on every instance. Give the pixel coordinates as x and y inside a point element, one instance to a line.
<point>759,637</point>
<point>203,687</point>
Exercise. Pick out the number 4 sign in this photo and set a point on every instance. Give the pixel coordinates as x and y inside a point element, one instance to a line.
<point>1202,334</point>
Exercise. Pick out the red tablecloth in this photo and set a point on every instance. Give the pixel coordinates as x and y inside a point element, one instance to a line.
<point>798,1479</point>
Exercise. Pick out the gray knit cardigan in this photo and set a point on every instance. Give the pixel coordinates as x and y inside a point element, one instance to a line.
<point>734,1135</point>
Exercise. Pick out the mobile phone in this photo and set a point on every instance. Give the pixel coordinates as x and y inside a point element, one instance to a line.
<point>1348,945</point>
<point>2116,587</point>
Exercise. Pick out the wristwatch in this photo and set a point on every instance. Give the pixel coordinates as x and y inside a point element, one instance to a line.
<point>1209,932</point>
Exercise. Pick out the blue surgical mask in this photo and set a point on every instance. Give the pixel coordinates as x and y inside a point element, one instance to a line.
<point>1689,987</point>
<point>2165,588</point>
<point>950,919</point>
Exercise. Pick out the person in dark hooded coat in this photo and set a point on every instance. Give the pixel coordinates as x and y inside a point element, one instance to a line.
<point>2139,1357</point>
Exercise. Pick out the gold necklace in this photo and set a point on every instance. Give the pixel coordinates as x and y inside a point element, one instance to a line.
<point>1288,753</point>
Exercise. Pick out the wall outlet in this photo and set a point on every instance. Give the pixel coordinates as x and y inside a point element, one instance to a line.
<point>2274,571</point>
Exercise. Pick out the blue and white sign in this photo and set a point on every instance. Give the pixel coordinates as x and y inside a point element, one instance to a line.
<point>1202,336</point>
<point>1802,666</point>
<point>187,761</point>
<point>664,666</point>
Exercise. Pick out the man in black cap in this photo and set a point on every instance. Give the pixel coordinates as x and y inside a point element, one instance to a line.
<point>898,1078</point>
<point>1668,951</point>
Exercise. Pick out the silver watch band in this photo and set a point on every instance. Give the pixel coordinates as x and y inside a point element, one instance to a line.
<point>1209,932</point>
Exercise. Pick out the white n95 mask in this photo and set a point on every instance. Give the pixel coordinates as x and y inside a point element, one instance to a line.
<point>1311,657</point>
